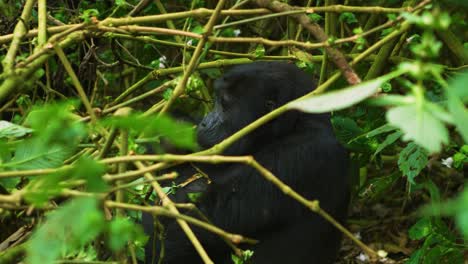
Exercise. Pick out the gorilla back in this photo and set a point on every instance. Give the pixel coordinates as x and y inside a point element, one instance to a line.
<point>298,148</point>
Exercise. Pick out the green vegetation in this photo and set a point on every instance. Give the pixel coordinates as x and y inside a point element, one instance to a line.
<point>85,87</point>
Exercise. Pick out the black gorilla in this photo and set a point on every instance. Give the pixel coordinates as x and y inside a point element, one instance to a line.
<point>298,148</point>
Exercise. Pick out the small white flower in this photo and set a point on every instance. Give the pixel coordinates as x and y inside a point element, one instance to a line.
<point>382,253</point>
<point>408,40</point>
<point>448,162</point>
<point>190,42</point>
<point>357,235</point>
<point>236,32</point>
<point>363,257</point>
<point>162,61</point>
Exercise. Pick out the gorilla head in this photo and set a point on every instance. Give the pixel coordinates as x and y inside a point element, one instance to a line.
<point>247,92</point>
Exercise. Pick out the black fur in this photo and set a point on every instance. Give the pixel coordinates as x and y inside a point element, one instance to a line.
<point>298,148</point>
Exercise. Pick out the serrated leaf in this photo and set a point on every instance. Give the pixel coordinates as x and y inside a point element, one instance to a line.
<point>343,98</point>
<point>32,154</point>
<point>419,125</point>
<point>413,159</point>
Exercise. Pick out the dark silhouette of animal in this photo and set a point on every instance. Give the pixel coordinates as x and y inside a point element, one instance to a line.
<point>300,149</point>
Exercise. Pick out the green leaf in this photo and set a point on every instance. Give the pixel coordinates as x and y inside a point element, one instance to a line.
<point>120,2</point>
<point>419,124</point>
<point>459,159</point>
<point>412,161</point>
<point>33,154</point>
<point>421,229</point>
<point>10,130</point>
<point>72,226</point>
<point>458,86</point>
<point>40,190</point>
<point>348,18</point>
<point>55,124</point>
<point>88,13</point>
<point>389,140</point>
<point>314,17</point>
<point>376,187</point>
<point>461,212</point>
<point>416,257</point>
<point>380,130</point>
<point>459,113</point>
<point>181,134</point>
<point>259,51</point>
<point>343,98</point>
<point>122,231</point>
<point>91,171</point>
<point>349,133</point>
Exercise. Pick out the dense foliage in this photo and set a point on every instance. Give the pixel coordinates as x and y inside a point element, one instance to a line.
<point>86,87</point>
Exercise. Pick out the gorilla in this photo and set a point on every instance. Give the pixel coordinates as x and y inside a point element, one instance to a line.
<point>298,148</point>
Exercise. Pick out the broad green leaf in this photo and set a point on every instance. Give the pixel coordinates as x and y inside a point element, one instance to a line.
<point>40,190</point>
<point>458,86</point>
<point>91,171</point>
<point>349,133</point>
<point>259,51</point>
<point>421,229</point>
<point>459,160</point>
<point>5,152</point>
<point>389,140</point>
<point>459,113</point>
<point>10,130</point>
<point>376,187</point>
<point>121,231</point>
<point>343,98</point>
<point>33,154</point>
<point>56,124</point>
<point>416,257</point>
<point>412,161</point>
<point>348,18</point>
<point>419,125</point>
<point>461,214</point>
<point>181,134</point>
<point>72,226</point>
<point>380,130</point>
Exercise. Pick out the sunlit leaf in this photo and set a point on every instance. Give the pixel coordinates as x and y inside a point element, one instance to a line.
<point>343,98</point>
<point>419,125</point>
<point>10,130</point>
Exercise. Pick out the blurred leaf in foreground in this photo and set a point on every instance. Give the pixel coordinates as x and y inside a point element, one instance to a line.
<point>76,223</point>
